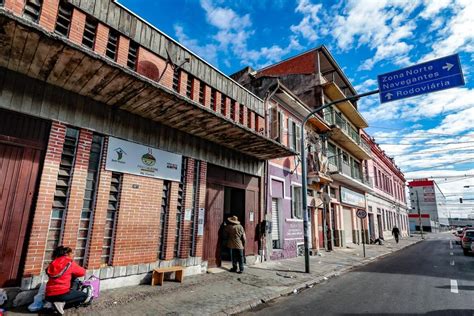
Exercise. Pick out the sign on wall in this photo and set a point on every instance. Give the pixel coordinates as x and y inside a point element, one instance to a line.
<point>127,157</point>
<point>352,197</point>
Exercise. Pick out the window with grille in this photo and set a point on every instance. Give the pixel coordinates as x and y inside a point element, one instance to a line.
<point>213,99</point>
<point>111,218</point>
<point>232,109</point>
<point>90,31</point>
<point>165,200</point>
<point>33,10</point>
<point>88,204</point>
<point>176,75</point>
<point>223,109</point>
<point>195,199</point>
<point>179,211</point>
<point>201,92</point>
<point>132,55</point>
<point>189,87</point>
<point>63,22</point>
<point>249,118</point>
<point>112,44</point>
<point>241,113</point>
<point>61,193</point>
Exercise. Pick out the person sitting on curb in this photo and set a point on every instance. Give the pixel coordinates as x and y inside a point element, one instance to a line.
<point>62,273</point>
<point>236,243</point>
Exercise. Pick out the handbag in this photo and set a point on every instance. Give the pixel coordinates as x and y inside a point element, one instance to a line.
<point>94,283</point>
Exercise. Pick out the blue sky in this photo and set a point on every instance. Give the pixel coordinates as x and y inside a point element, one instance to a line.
<point>429,136</point>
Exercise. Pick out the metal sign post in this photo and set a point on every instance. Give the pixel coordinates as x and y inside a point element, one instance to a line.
<point>362,214</point>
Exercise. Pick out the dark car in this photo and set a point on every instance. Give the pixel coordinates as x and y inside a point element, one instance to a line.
<point>467,241</point>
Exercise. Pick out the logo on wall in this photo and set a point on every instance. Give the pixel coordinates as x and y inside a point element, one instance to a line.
<point>120,153</point>
<point>148,158</point>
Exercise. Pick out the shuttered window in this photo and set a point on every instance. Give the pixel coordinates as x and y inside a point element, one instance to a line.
<point>189,87</point>
<point>165,200</point>
<point>90,30</point>
<point>180,209</point>
<point>223,109</point>
<point>61,194</point>
<point>195,209</point>
<point>33,10</point>
<point>232,109</point>
<point>241,113</point>
<point>112,44</point>
<point>249,118</point>
<point>176,79</point>
<point>63,22</point>
<point>202,92</point>
<point>275,225</point>
<point>276,125</point>
<point>132,55</point>
<point>213,99</point>
<point>88,204</point>
<point>111,219</point>
<point>296,199</point>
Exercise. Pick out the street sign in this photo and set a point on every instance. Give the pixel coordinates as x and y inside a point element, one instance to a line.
<point>361,214</point>
<point>431,76</point>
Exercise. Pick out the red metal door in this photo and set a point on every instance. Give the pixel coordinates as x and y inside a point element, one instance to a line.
<point>19,168</point>
<point>212,225</point>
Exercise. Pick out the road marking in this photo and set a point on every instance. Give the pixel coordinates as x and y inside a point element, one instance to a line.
<point>454,286</point>
<point>451,253</point>
<point>452,262</point>
<point>450,244</point>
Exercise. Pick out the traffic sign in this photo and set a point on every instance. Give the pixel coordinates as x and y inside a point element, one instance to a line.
<point>431,76</point>
<point>361,214</point>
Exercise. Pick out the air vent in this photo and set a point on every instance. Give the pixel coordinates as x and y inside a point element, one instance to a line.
<point>112,43</point>
<point>189,87</point>
<point>63,22</point>
<point>111,218</point>
<point>202,92</point>
<point>90,31</point>
<point>132,55</point>
<point>176,81</point>
<point>223,109</point>
<point>165,200</point>
<point>33,10</point>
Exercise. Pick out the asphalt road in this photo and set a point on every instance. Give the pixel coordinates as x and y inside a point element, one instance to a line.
<point>432,277</point>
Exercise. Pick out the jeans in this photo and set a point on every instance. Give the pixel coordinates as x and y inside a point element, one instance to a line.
<point>396,238</point>
<point>72,298</point>
<point>237,258</point>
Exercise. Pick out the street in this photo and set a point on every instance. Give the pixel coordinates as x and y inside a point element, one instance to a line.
<point>431,277</point>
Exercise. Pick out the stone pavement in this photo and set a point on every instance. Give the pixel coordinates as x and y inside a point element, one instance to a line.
<point>229,293</point>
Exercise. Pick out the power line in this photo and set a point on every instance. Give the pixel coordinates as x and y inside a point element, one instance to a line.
<point>398,129</point>
<point>441,165</point>
<point>427,144</point>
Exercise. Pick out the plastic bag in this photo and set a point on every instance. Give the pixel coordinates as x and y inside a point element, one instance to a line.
<point>38,301</point>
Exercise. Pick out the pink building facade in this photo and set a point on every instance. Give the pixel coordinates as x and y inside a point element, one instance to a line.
<point>386,204</point>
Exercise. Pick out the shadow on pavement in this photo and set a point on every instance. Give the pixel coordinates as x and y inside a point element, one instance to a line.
<point>444,312</point>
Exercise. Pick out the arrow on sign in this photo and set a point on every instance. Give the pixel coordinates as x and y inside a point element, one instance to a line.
<point>389,96</point>
<point>448,66</point>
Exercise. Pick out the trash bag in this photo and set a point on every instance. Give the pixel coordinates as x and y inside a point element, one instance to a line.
<point>38,301</point>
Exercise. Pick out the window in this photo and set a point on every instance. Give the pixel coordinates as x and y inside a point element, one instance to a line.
<point>332,155</point>
<point>241,113</point>
<point>132,55</point>
<point>195,208</point>
<point>189,86</point>
<point>165,200</point>
<point>33,10</point>
<point>112,43</point>
<point>180,208</point>
<point>88,204</point>
<point>276,125</point>
<point>111,218</point>
<point>223,109</point>
<point>375,177</point>
<point>61,195</point>
<point>294,135</point>
<point>213,99</point>
<point>90,30</point>
<point>232,109</point>
<point>176,79</point>
<point>63,22</point>
<point>249,118</point>
<point>202,92</point>
<point>297,205</point>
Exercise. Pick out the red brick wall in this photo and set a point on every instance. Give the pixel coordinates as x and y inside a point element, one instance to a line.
<point>78,21</point>
<point>100,213</point>
<point>260,124</point>
<point>207,96</point>
<point>152,66</point>
<point>49,12</point>
<point>122,52</point>
<point>137,227</point>
<point>304,64</point>
<point>183,79</point>
<point>42,211</point>
<point>218,102</point>
<point>16,6</point>
<point>101,39</point>
<point>202,204</point>
<point>77,190</point>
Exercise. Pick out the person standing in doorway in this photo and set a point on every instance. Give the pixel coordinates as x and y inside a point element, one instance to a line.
<point>396,233</point>
<point>236,243</point>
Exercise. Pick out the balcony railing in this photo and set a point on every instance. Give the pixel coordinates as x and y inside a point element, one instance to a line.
<point>334,118</point>
<point>337,165</point>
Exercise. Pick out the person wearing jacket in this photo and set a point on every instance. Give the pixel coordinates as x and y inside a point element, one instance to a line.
<point>62,272</point>
<point>396,233</point>
<point>236,243</point>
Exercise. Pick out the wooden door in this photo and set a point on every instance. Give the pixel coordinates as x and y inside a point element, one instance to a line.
<point>251,221</point>
<point>214,219</point>
<point>19,168</point>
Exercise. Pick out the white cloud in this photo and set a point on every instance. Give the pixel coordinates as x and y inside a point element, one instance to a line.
<point>208,51</point>
<point>433,8</point>
<point>308,26</point>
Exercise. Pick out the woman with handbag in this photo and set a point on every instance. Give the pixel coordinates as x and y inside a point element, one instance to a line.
<point>62,273</point>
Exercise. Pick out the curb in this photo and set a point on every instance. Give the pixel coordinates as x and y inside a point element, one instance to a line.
<point>305,285</point>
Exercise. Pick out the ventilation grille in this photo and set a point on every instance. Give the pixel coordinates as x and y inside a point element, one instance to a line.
<point>189,87</point>
<point>132,55</point>
<point>111,50</point>
<point>90,31</point>
<point>223,109</point>
<point>33,10</point>
<point>111,218</point>
<point>176,75</point>
<point>163,216</point>
<point>63,22</point>
<point>213,98</point>
<point>179,211</point>
<point>201,92</point>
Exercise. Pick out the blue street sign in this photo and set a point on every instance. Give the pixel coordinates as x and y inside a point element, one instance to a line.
<point>431,76</point>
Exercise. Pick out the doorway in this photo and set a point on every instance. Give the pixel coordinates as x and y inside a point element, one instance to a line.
<point>379,224</point>
<point>371,226</point>
<point>234,205</point>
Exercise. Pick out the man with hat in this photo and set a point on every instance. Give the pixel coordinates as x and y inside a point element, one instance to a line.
<point>236,242</point>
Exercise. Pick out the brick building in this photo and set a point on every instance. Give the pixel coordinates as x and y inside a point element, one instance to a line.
<point>120,143</point>
<point>387,204</point>
<point>284,192</point>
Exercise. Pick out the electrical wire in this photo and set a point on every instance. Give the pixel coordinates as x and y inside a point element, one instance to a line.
<point>443,164</point>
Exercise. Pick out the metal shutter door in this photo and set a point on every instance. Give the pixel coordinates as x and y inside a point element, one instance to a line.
<point>275,220</point>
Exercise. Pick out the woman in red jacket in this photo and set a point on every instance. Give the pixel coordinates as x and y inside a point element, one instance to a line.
<point>62,272</point>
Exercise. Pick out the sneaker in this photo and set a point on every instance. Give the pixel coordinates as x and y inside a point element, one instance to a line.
<point>233,270</point>
<point>89,290</point>
<point>240,272</point>
<point>59,307</point>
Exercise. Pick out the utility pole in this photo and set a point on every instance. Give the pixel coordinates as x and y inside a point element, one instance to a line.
<point>304,171</point>
<point>419,214</point>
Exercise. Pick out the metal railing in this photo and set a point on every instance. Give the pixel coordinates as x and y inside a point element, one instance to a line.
<point>337,165</point>
<point>335,118</point>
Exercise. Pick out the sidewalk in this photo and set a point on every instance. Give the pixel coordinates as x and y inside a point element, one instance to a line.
<point>229,293</point>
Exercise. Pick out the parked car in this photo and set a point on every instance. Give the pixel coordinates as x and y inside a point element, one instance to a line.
<point>458,234</point>
<point>467,241</point>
